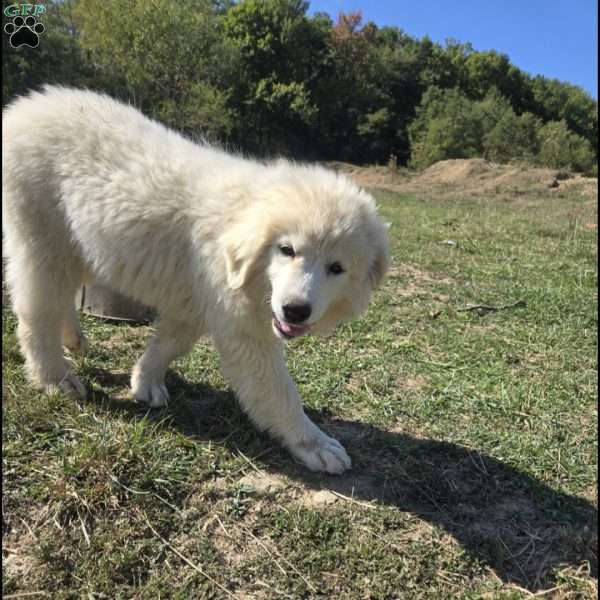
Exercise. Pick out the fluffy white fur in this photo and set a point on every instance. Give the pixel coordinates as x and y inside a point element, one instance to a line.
<point>92,189</point>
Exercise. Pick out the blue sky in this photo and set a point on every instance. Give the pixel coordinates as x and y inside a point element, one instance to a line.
<point>554,38</point>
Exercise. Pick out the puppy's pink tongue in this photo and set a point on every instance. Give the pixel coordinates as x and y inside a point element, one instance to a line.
<point>292,330</point>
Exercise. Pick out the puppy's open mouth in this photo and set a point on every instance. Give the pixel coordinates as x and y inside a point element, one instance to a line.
<point>287,330</point>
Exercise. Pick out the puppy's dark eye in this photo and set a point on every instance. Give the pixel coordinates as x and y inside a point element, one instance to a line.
<point>336,268</point>
<point>287,250</point>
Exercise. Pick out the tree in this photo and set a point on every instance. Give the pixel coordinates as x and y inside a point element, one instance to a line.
<point>262,76</point>
<point>280,52</point>
<point>513,137</point>
<point>446,126</point>
<point>560,148</point>
<point>347,92</point>
<point>556,100</point>
<point>170,56</point>
<point>491,109</point>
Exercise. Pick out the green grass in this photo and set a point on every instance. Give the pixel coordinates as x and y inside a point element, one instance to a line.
<point>473,438</point>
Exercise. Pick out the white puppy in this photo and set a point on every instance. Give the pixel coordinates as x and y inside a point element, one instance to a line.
<point>251,253</point>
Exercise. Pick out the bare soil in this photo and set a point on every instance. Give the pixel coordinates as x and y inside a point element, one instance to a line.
<point>473,176</point>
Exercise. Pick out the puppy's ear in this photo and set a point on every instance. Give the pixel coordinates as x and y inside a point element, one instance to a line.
<point>242,255</point>
<point>378,270</point>
<point>245,242</point>
<point>381,260</point>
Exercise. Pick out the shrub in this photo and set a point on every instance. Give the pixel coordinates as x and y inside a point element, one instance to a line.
<point>513,137</point>
<point>447,126</point>
<point>560,148</point>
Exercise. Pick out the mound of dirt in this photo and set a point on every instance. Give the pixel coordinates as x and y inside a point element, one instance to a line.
<point>456,171</point>
<point>371,176</point>
<point>469,177</point>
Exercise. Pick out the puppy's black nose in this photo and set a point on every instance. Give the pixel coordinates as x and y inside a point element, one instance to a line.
<point>296,313</point>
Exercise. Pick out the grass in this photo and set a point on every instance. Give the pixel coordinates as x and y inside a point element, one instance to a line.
<point>473,437</point>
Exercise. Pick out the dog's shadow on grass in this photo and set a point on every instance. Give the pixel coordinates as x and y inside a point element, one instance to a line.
<point>520,527</point>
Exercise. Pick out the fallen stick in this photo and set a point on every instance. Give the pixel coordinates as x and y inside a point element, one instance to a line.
<point>490,308</point>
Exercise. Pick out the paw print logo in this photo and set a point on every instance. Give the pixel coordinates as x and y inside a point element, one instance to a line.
<point>24,32</point>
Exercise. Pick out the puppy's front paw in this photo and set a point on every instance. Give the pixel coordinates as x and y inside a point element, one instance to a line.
<point>322,453</point>
<point>155,395</point>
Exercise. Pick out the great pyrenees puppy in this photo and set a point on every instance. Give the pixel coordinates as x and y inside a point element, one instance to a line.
<point>253,254</point>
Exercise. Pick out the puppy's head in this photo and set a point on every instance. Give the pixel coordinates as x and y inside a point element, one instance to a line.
<point>313,246</point>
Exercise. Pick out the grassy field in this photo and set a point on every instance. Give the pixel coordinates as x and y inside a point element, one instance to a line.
<point>472,431</point>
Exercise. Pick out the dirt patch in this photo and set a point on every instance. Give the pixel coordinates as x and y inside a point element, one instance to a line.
<point>17,558</point>
<point>407,271</point>
<point>410,281</point>
<point>262,483</point>
<point>349,489</point>
<point>320,498</point>
<point>372,176</point>
<point>130,335</point>
<point>19,544</point>
<point>411,383</point>
<point>471,177</point>
<point>455,172</point>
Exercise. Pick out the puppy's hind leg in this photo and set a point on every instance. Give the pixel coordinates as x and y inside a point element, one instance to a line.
<point>173,338</point>
<point>41,294</point>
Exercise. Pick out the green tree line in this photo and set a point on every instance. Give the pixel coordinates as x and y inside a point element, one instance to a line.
<point>264,77</point>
